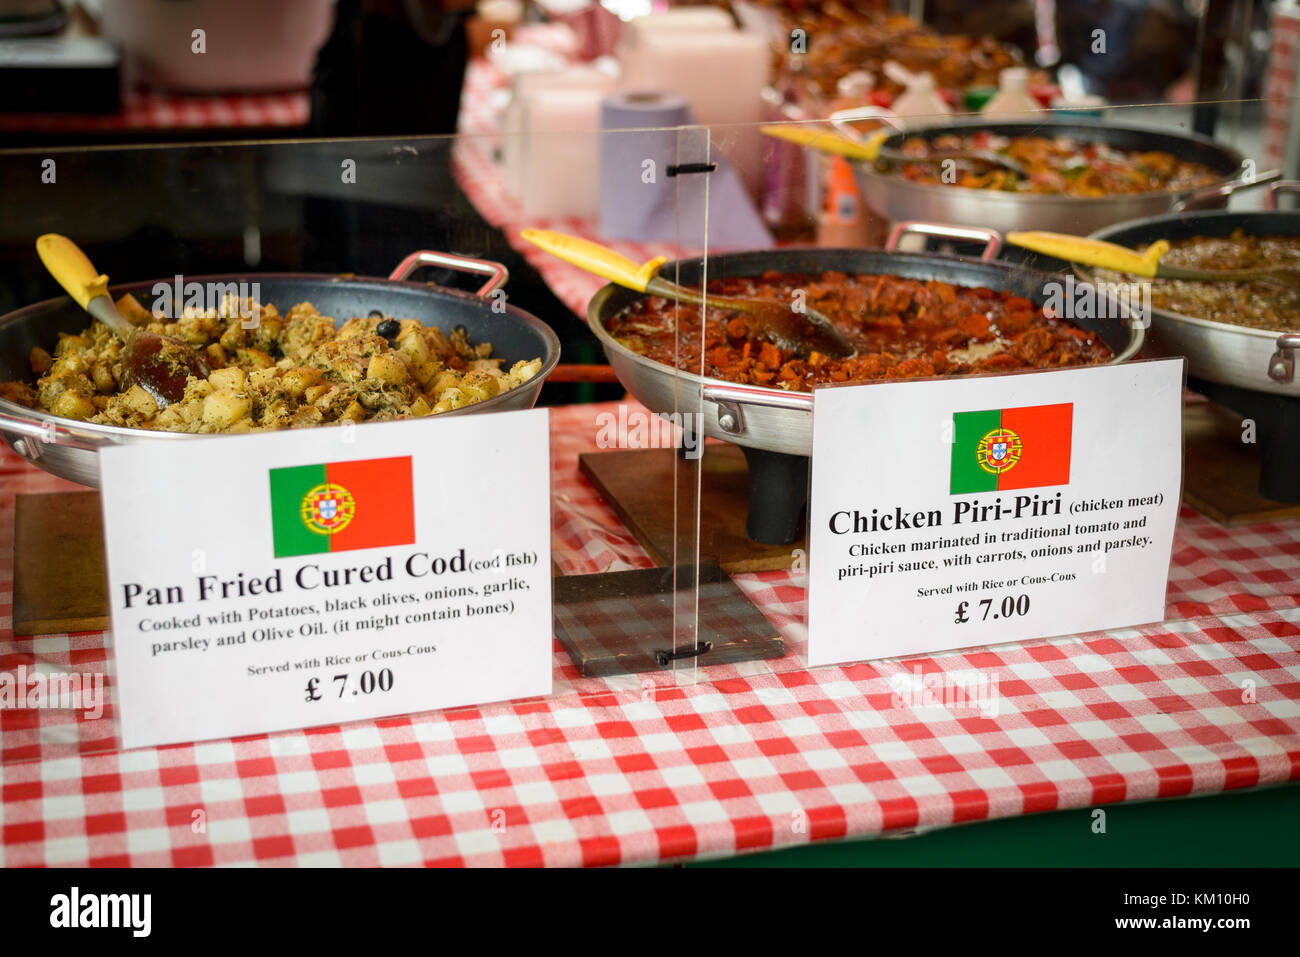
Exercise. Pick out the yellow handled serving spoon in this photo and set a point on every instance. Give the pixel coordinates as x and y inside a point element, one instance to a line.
<point>800,333</point>
<point>873,148</point>
<point>158,364</point>
<point>1104,255</point>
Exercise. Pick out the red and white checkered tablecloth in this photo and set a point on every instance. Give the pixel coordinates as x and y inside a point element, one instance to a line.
<point>145,110</point>
<point>748,757</point>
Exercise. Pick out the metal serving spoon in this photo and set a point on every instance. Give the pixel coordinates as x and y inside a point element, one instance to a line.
<point>1104,255</point>
<point>800,333</point>
<point>158,364</point>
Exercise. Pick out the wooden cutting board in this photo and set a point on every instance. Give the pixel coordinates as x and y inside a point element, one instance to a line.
<point>638,485</point>
<point>1221,474</point>
<point>60,583</point>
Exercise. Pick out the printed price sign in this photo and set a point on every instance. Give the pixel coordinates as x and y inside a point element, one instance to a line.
<point>960,512</point>
<point>272,581</point>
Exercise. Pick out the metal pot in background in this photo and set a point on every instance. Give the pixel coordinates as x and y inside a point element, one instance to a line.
<point>898,199</point>
<point>68,448</point>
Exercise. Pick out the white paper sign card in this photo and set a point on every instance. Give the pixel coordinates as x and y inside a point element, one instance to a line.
<point>299,578</point>
<point>959,512</point>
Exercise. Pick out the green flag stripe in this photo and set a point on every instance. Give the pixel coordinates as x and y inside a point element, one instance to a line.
<point>288,486</point>
<point>968,429</point>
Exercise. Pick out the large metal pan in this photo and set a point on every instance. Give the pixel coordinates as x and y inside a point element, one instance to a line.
<point>1219,352</point>
<point>898,199</point>
<point>781,421</point>
<point>68,448</point>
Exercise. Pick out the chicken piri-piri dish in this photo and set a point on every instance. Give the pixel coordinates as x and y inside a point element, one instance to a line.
<point>901,328</point>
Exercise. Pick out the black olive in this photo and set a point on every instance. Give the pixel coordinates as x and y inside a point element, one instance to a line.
<point>389,329</point>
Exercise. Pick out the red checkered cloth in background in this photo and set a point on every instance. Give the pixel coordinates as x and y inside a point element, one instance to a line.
<point>143,110</point>
<point>750,757</point>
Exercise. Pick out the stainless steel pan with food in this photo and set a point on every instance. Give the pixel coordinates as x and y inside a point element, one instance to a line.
<point>1260,359</point>
<point>899,199</point>
<point>68,448</point>
<point>778,420</point>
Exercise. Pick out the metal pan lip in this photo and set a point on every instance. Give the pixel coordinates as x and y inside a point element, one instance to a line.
<point>1109,232</point>
<point>550,358</point>
<point>597,304</point>
<point>1044,201</point>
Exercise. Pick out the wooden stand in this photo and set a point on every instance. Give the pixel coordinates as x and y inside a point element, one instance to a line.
<point>60,583</point>
<point>638,485</point>
<point>1221,472</point>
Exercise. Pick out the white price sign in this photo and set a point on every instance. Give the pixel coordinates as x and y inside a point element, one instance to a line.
<point>959,512</point>
<point>298,578</point>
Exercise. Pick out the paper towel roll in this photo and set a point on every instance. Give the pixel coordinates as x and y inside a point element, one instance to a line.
<point>627,159</point>
<point>721,74</point>
<point>640,201</point>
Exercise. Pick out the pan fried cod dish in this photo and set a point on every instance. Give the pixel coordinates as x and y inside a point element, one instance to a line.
<point>274,371</point>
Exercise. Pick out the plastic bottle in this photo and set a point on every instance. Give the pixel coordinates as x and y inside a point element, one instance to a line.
<point>1012,100</point>
<point>919,100</point>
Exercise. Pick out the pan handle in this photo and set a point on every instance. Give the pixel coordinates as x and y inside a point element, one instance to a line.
<point>1281,366</point>
<point>34,433</point>
<point>731,400</point>
<point>1277,189</point>
<point>1208,194</point>
<point>483,267</point>
<point>991,238</point>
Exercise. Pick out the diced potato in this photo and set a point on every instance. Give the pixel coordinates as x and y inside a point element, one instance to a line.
<point>353,412</point>
<point>387,367</point>
<point>40,360</point>
<point>420,407</point>
<point>234,338</point>
<point>478,386</point>
<point>70,405</point>
<point>255,358</point>
<point>224,407</point>
<point>216,355</point>
<point>133,312</point>
<point>414,346</point>
<point>232,378</point>
<point>140,402</point>
<point>298,381</point>
<point>102,376</point>
<point>315,392</point>
<point>523,370</point>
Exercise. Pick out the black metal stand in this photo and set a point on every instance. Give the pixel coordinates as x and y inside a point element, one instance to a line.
<point>1277,428</point>
<point>778,496</point>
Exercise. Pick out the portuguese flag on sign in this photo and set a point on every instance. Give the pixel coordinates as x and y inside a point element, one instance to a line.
<point>1002,449</point>
<point>341,506</point>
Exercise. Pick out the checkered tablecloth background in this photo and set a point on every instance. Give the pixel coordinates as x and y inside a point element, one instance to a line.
<point>145,110</point>
<point>747,757</point>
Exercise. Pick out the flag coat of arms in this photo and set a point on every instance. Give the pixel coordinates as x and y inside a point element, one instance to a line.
<point>342,506</point>
<point>997,450</point>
